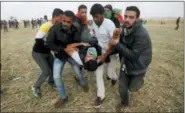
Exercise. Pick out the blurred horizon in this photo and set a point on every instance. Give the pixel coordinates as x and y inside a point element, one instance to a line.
<point>149,10</point>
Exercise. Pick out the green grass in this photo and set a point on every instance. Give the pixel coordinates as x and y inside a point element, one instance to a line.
<point>163,90</point>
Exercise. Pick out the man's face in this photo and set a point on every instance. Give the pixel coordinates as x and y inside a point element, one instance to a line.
<point>66,22</point>
<point>98,19</point>
<point>59,18</point>
<point>108,13</point>
<point>130,19</point>
<point>107,10</point>
<point>83,12</point>
<point>89,57</point>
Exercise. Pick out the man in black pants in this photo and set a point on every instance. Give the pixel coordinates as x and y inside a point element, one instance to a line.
<point>177,23</point>
<point>42,55</point>
<point>135,48</point>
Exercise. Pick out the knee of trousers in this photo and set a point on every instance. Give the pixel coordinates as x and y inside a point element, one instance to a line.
<point>46,73</point>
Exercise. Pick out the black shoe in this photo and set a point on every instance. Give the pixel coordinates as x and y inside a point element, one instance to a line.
<point>36,91</point>
<point>98,102</point>
<point>108,78</point>
<point>113,82</point>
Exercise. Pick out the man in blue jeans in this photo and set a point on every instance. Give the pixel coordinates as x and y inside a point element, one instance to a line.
<point>60,35</point>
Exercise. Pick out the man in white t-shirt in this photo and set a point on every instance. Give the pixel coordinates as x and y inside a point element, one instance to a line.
<point>103,30</point>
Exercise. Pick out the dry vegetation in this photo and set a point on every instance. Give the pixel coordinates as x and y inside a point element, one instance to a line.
<point>163,90</point>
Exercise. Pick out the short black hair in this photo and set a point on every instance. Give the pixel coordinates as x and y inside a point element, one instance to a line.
<point>57,12</point>
<point>109,7</point>
<point>69,13</point>
<point>97,9</point>
<point>45,17</point>
<point>82,7</point>
<point>91,65</point>
<point>135,9</point>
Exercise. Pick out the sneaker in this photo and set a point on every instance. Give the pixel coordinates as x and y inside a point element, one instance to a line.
<point>98,102</point>
<point>61,102</point>
<point>113,82</point>
<point>36,91</point>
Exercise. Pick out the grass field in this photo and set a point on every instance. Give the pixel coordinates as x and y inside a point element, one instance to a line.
<point>163,90</point>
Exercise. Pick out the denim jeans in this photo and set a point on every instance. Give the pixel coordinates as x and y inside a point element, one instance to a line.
<point>57,74</point>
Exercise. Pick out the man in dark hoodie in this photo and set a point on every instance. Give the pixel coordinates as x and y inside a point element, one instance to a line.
<point>135,49</point>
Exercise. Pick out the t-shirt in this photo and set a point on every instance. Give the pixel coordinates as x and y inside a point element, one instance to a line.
<point>104,32</point>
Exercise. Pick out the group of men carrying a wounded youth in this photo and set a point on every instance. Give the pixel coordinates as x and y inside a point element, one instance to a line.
<point>67,38</point>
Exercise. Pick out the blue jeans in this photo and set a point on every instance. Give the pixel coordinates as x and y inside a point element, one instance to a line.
<point>58,67</point>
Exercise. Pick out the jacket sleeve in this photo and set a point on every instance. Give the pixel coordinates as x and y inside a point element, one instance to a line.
<point>50,41</point>
<point>77,37</point>
<point>134,52</point>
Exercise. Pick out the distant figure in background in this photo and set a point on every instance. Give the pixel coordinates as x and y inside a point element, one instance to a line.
<point>5,26</point>
<point>16,24</point>
<point>9,23</point>
<point>42,21</point>
<point>45,18</point>
<point>39,22</point>
<point>12,24</point>
<point>28,23</point>
<point>1,24</point>
<point>33,23</point>
<point>163,22</point>
<point>145,21</point>
<point>177,23</point>
<point>24,21</point>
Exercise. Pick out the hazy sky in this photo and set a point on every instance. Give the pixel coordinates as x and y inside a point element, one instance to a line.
<point>28,10</point>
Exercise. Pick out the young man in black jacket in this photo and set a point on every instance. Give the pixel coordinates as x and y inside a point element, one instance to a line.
<point>61,35</point>
<point>42,55</point>
<point>135,48</point>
